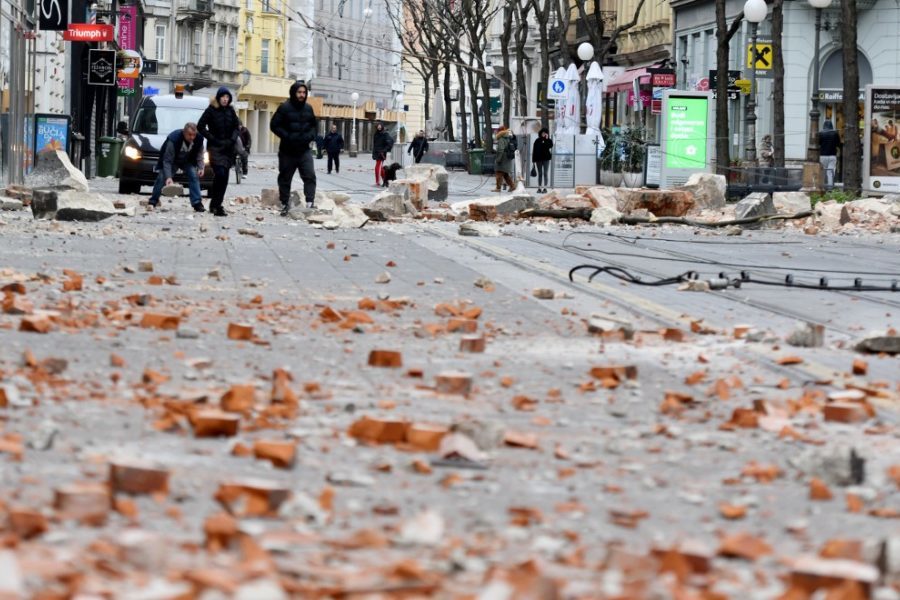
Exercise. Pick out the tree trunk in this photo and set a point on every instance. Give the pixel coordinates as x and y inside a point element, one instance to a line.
<point>852,149</point>
<point>464,120</point>
<point>545,77</point>
<point>521,17</point>
<point>778,67</point>
<point>723,140</point>
<point>563,18</point>
<point>448,103</point>
<point>504,52</point>
<point>473,100</point>
<point>486,113</point>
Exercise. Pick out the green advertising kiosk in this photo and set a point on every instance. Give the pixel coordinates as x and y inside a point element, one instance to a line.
<point>687,139</point>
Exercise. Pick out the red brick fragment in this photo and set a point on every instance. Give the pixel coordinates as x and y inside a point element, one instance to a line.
<point>744,545</point>
<point>452,382</point>
<point>426,437</point>
<point>221,531</point>
<point>137,477</point>
<point>26,523</point>
<point>860,367</point>
<point>280,453</point>
<point>35,324</point>
<point>252,497</point>
<point>472,343</point>
<point>845,412</point>
<point>160,321</point>
<point>818,490</point>
<point>215,423</point>
<point>387,359</point>
<point>240,331</point>
<point>238,399</point>
<point>87,503</point>
<point>379,431</point>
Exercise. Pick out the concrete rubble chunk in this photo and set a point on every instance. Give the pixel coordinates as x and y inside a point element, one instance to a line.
<point>604,197</point>
<point>832,214</point>
<point>807,335</point>
<point>889,344</point>
<point>707,189</point>
<point>54,170</point>
<point>475,228</point>
<point>838,466</point>
<point>505,205</point>
<point>878,206</point>
<point>12,579</point>
<point>436,179</point>
<point>269,197</point>
<point>389,204</point>
<point>605,215</point>
<point>757,204</point>
<point>662,203</point>
<point>10,203</point>
<point>791,202</point>
<point>71,205</point>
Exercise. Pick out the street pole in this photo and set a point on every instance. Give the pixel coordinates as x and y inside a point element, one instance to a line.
<point>750,149</point>
<point>354,148</point>
<point>812,170</point>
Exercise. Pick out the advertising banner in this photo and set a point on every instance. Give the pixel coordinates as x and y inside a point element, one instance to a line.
<point>687,140</point>
<point>660,81</point>
<point>51,132</point>
<point>101,67</point>
<point>87,32</point>
<point>881,145</point>
<point>129,67</point>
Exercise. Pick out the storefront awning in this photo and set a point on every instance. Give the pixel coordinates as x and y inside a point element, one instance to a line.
<point>623,82</point>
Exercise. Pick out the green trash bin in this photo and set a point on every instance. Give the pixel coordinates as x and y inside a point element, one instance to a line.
<point>110,149</point>
<point>475,161</point>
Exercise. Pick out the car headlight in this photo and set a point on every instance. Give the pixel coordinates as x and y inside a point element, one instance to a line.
<point>206,158</point>
<point>132,153</point>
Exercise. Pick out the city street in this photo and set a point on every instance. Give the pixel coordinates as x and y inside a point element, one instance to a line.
<point>251,407</point>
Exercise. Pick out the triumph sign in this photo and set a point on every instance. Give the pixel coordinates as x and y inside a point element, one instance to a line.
<point>86,32</point>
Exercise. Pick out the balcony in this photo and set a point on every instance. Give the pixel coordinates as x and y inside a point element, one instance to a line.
<point>197,76</point>
<point>194,10</point>
<point>608,19</point>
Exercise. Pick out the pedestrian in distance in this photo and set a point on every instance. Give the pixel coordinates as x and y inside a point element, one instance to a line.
<point>829,142</point>
<point>503,160</point>
<point>540,156</point>
<point>182,151</point>
<point>418,147</point>
<point>334,144</point>
<point>295,124</point>
<point>382,144</point>
<point>246,140</point>
<point>220,126</point>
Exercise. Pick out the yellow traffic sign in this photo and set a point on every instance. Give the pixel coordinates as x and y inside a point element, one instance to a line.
<point>762,58</point>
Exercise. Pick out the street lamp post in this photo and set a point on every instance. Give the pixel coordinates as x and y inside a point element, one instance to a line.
<point>755,12</point>
<point>354,149</point>
<point>813,170</point>
<point>585,53</point>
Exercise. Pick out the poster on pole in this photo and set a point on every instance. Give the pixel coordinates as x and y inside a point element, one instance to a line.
<point>881,144</point>
<point>687,145</point>
<point>51,132</point>
<point>129,60</point>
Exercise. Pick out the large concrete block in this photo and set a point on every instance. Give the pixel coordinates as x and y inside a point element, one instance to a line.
<point>71,205</point>
<point>708,190</point>
<point>754,205</point>
<point>54,170</point>
<point>604,197</point>
<point>270,197</point>
<point>791,202</point>
<point>662,203</point>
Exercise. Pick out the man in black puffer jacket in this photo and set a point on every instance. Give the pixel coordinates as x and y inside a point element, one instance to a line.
<point>220,126</point>
<point>295,123</point>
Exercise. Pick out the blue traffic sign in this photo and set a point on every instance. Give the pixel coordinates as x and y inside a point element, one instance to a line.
<point>559,86</point>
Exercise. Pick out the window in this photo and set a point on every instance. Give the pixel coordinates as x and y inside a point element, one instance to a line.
<point>264,58</point>
<point>220,55</point>
<point>209,46</point>
<point>184,47</point>
<point>249,4</point>
<point>232,50</point>
<point>267,6</point>
<point>161,43</point>
<point>198,37</point>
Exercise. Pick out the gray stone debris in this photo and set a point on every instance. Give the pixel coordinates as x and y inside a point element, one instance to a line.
<point>351,479</point>
<point>42,437</point>
<point>543,293</point>
<point>54,170</point>
<point>487,435</point>
<point>269,197</point>
<point>71,205</point>
<point>173,190</point>
<point>187,333</point>
<point>840,466</point>
<point>602,324</point>
<point>505,205</point>
<point>708,190</point>
<point>605,216</point>
<point>807,335</point>
<point>10,203</point>
<point>479,228</point>
<point>791,202</point>
<point>383,277</point>
<point>889,344</point>
<point>604,197</point>
<point>831,214</point>
<point>436,179</point>
<point>756,204</point>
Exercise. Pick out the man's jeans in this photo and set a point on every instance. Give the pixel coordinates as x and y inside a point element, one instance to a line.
<point>829,163</point>
<point>193,186</point>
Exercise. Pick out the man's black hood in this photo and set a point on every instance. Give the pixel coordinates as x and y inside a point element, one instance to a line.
<point>293,93</point>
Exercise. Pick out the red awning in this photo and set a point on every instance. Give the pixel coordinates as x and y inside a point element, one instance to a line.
<point>622,83</point>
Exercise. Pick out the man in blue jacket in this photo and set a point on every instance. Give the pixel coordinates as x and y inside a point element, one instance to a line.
<point>182,150</point>
<point>334,143</point>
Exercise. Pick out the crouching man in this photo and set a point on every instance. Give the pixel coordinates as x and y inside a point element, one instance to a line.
<point>182,150</point>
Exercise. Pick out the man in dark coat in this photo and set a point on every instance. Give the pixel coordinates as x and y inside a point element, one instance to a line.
<point>220,126</point>
<point>246,140</point>
<point>829,142</point>
<point>382,144</point>
<point>418,147</point>
<point>295,123</point>
<point>334,143</point>
<point>182,150</point>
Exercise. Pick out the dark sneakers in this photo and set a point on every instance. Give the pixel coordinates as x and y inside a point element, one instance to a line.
<point>198,208</point>
<point>219,212</point>
<point>285,209</point>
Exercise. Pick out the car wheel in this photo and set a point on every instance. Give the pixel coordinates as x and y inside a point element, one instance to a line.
<point>129,187</point>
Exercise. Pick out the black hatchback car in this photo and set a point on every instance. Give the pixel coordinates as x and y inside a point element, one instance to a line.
<point>155,118</point>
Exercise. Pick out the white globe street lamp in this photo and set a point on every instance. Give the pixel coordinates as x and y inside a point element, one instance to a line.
<point>585,51</point>
<point>812,148</point>
<point>354,149</point>
<point>755,11</point>
<point>367,12</point>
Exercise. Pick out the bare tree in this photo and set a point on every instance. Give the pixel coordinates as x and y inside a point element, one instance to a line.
<point>505,38</point>
<point>563,20</point>
<point>598,27</point>
<point>852,147</point>
<point>723,40</point>
<point>423,44</point>
<point>521,18</point>
<point>542,16</point>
